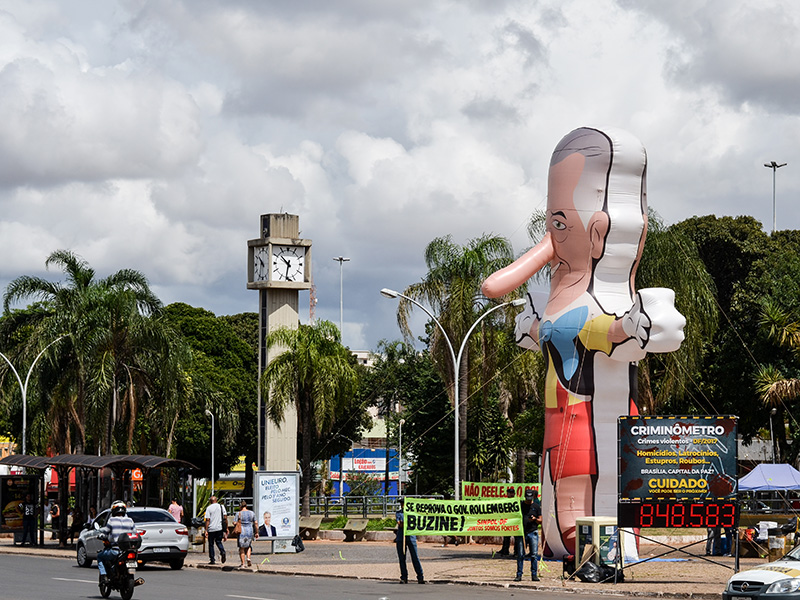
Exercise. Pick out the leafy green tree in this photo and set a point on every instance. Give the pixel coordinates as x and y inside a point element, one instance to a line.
<point>736,252</point>
<point>670,259</point>
<point>521,394</point>
<point>100,374</point>
<point>362,484</point>
<point>418,394</point>
<point>428,428</point>
<point>452,289</point>
<point>489,454</point>
<point>777,376</point>
<point>313,372</point>
<point>225,371</point>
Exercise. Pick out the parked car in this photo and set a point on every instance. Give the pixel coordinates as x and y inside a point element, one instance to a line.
<point>771,581</point>
<point>163,538</point>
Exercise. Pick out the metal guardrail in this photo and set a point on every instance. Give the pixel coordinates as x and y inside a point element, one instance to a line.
<point>358,506</point>
<point>335,506</point>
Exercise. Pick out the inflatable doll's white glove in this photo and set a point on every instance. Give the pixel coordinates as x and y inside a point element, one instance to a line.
<point>665,331</point>
<point>525,322</point>
<point>636,323</point>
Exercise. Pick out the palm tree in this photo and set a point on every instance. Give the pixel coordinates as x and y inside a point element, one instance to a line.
<point>775,389</point>
<point>314,374</point>
<point>112,342</point>
<point>452,290</point>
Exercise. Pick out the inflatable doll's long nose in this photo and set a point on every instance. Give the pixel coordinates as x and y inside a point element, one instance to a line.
<point>509,278</point>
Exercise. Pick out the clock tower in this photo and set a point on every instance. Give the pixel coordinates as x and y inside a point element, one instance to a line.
<point>278,266</point>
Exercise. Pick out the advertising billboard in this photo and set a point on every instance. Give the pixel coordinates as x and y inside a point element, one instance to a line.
<point>13,489</point>
<point>677,471</point>
<point>677,458</point>
<point>276,504</point>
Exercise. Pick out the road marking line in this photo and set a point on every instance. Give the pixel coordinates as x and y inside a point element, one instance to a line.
<point>248,597</point>
<point>78,580</point>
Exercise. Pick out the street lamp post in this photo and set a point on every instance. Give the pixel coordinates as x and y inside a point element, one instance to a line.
<point>24,388</point>
<point>774,166</point>
<point>213,473</point>
<point>341,260</point>
<point>388,293</point>
<point>771,437</point>
<point>400,460</point>
<point>341,462</point>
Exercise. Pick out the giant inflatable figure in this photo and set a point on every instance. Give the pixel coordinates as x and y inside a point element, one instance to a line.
<point>594,326</point>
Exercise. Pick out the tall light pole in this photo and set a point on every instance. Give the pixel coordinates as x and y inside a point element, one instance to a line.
<point>341,260</point>
<point>400,460</point>
<point>771,437</point>
<point>456,363</point>
<point>213,472</point>
<point>774,166</point>
<point>24,387</point>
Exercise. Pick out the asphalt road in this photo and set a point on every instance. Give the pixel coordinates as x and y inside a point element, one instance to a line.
<point>34,578</point>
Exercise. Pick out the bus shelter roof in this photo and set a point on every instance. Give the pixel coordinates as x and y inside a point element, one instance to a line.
<point>90,461</point>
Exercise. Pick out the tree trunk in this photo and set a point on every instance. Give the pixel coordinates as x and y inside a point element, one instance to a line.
<point>520,453</point>
<point>519,465</point>
<point>112,415</point>
<point>305,461</point>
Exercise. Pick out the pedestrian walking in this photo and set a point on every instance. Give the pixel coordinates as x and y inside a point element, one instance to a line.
<point>248,532</point>
<point>176,510</point>
<point>406,544</point>
<point>531,517</point>
<point>216,529</point>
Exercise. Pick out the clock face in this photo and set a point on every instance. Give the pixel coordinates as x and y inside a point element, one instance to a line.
<point>261,263</point>
<point>288,263</point>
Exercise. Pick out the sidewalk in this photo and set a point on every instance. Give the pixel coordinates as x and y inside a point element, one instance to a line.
<point>469,564</point>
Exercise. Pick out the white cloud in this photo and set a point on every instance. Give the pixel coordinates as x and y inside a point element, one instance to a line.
<point>152,135</point>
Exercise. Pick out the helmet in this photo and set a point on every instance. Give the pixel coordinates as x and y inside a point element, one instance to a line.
<point>118,509</point>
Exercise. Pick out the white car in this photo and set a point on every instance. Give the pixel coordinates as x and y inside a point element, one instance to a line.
<point>163,538</point>
<point>772,581</point>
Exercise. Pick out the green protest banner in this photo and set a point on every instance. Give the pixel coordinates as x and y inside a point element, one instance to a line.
<point>473,490</point>
<point>460,517</point>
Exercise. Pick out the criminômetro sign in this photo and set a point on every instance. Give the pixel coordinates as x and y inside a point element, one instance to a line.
<point>677,458</point>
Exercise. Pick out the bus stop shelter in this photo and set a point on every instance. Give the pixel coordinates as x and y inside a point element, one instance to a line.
<point>88,477</point>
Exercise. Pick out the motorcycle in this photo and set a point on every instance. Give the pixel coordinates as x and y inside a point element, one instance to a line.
<point>120,575</point>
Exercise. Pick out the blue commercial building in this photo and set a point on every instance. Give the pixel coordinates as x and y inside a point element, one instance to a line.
<point>369,461</point>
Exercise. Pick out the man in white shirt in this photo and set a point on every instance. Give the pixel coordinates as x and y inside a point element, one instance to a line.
<point>216,532</point>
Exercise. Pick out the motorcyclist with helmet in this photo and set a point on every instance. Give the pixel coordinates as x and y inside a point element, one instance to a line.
<point>117,524</point>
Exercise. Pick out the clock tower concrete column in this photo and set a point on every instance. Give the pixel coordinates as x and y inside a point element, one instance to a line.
<point>277,303</point>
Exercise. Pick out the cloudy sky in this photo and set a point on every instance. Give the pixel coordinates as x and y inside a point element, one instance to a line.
<point>152,134</point>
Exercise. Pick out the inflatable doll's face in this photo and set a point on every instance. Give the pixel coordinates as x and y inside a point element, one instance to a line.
<point>577,237</point>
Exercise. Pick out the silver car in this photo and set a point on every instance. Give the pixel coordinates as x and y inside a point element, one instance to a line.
<point>163,538</point>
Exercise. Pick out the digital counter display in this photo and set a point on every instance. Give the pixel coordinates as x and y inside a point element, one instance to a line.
<point>672,514</point>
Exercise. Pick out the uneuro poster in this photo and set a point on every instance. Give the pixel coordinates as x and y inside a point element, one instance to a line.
<point>677,457</point>
<point>277,501</point>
